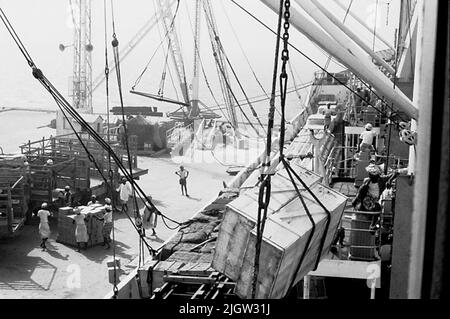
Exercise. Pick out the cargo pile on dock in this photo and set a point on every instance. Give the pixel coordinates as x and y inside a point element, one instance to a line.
<point>66,225</point>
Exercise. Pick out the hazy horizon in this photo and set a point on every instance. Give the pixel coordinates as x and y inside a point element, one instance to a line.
<point>43,25</point>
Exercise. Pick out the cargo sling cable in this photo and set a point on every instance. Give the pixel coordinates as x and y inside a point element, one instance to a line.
<point>391,115</point>
<point>65,106</point>
<point>265,187</point>
<point>289,169</point>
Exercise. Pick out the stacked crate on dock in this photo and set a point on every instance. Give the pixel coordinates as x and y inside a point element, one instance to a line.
<point>66,225</point>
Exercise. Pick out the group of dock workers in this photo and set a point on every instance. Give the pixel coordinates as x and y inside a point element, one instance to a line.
<point>147,219</point>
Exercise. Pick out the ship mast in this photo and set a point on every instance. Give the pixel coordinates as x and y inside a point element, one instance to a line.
<point>220,64</point>
<point>195,79</point>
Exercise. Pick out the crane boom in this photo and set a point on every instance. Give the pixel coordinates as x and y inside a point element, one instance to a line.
<point>126,50</point>
<point>168,22</point>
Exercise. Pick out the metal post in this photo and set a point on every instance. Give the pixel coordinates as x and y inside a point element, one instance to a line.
<point>372,289</point>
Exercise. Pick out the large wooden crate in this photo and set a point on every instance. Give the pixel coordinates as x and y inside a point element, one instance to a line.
<point>66,226</point>
<point>285,236</point>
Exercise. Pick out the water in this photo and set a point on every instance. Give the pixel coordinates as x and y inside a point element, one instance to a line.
<point>43,26</point>
<point>17,127</point>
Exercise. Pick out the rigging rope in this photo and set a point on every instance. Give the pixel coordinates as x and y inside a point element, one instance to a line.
<point>110,171</point>
<point>245,55</point>
<point>164,51</point>
<point>66,107</point>
<point>203,69</point>
<point>222,50</point>
<point>391,116</point>
<point>157,48</point>
<point>115,45</point>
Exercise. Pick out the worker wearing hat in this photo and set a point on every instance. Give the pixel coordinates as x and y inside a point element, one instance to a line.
<point>367,138</point>
<point>107,219</point>
<point>93,200</point>
<point>371,189</point>
<point>44,228</point>
<point>81,234</point>
<point>149,218</point>
<point>67,196</point>
<point>125,192</point>
<point>108,203</point>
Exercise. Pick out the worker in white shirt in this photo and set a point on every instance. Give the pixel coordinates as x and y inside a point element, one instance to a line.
<point>44,228</point>
<point>125,192</point>
<point>367,139</point>
<point>183,174</point>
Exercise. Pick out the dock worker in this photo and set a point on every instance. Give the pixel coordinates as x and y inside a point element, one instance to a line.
<point>108,203</point>
<point>183,174</point>
<point>49,166</point>
<point>107,226</point>
<point>93,200</point>
<point>367,139</point>
<point>149,218</point>
<point>68,200</point>
<point>367,198</point>
<point>81,235</point>
<point>327,117</point>
<point>358,97</point>
<point>49,163</point>
<point>44,228</point>
<point>125,192</point>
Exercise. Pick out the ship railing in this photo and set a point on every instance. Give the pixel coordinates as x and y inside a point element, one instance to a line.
<point>330,163</point>
<point>343,165</point>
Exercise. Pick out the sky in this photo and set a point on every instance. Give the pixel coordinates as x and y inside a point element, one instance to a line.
<point>42,25</point>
